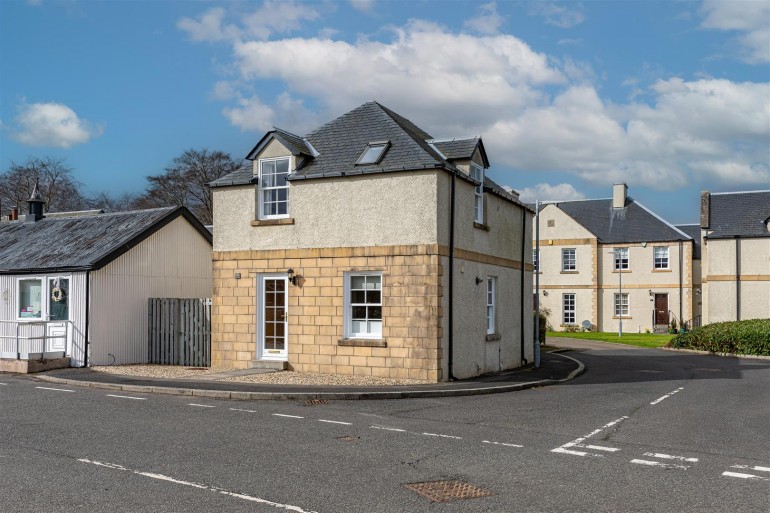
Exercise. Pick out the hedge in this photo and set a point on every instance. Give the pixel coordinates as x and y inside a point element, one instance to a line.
<point>739,337</point>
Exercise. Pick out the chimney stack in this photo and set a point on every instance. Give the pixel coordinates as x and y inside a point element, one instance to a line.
<point>14,214</point>
<point>705,209</point>
<point>619,195</point>
<point>35,203</point>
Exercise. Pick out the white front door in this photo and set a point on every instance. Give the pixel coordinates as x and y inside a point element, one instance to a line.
<point>273,321</point>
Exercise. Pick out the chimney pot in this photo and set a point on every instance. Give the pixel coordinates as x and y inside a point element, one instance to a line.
<point>619,195</point>
<point>14,214</point>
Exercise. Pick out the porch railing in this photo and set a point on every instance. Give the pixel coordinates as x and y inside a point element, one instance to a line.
<point>29,347</point>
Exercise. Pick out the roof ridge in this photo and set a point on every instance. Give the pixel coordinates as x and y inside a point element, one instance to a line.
<point>416,133</point>
<point>738,192</point>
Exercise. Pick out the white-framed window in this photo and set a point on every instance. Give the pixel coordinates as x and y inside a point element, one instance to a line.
<point>568,308</point>
<point>363,305</point>
<point>477,173</point>
<point>621,305</point>
<point>621,259</point>
<point>568,259</point>
<point>491,305</point>
<point>43,299</point>
<point>536,259</point>
<point>29,299</point>
<point>273,188</point>
<point>660,257</point>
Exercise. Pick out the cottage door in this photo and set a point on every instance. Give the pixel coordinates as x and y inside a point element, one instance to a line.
<point>661,309</point>
<point>273,323</point>
<point>58,314</point>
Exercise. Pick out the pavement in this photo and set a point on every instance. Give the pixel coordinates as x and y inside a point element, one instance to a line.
<point>555,368</point>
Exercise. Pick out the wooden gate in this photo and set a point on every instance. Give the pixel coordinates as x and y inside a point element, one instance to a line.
<point>180,331</point>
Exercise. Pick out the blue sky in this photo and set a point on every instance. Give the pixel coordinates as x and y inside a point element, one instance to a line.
<point>570,97</point>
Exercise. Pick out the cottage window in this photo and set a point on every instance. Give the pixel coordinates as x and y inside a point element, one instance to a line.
<point>568,259</point>
<point>491,305</point>
<point>273,188</point>
<point>477,173</point>
<point>621,305</point>
<point>660,257</point>
<point>621,259</point>
<point>363,305</point>
<point>30,298</point>
<point>568,308</point>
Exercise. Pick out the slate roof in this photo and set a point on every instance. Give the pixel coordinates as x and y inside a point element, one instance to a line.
<point>693,230</point>
<point>81,243</point>
<point>739,214</point>
<point>242,176</point>
<point>633,223</point>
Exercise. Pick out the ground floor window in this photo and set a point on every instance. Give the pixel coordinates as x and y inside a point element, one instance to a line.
<point>621,305</point>
<point>43,299</point>
<point>30,298</point>
<point>491,304</point>
<point>568,308</point>
<point>363,305</point>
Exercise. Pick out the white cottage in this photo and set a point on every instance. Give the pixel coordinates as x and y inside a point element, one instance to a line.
<point>76,284</point>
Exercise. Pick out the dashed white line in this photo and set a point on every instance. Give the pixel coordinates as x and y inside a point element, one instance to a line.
<point>598,447</point>
<point>397,430</point>
<point>443,436</point>
<point>287,416</point>
<point>335,422</point>
<point>670,457</point>
<point>4,384</point>
<point>761,469</point>
<point>659,399</point>
<point>745,476</point>
<point>565,449</point>
<point>127,397</point>
<point>55,389</point>
<point>161,477</point>
<point>201,405</point>
<point>659,464</point>
<point>500,443</point>
<point>241,409</point>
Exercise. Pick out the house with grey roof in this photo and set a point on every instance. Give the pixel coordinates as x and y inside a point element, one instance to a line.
<point>369,247</point>
<point>609,262</point>
<point>76,284</point>
<point>735,230</point>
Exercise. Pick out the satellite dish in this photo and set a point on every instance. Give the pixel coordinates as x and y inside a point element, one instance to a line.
<point>586,325</point>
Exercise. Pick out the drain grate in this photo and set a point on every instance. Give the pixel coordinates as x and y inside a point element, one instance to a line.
<point>443,491</point>
<point>316,402</point>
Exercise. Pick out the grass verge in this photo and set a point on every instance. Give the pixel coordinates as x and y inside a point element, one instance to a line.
<point>631,339</point>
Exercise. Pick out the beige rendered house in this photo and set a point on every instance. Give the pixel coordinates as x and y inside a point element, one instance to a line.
<point>368,247</point>
<point>608,260</point>
<point>736,255</point>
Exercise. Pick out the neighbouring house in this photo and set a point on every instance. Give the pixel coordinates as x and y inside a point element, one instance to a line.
<point>369,247</point>
<point>606,260</point>
<point>735,227</point>
<point>83,279</point>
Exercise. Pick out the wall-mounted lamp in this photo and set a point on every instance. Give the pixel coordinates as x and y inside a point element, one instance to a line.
<point>237,276</point>
<point>292,276</point>
<point>650,292</point>
<point>545,292</point>
<point>644,244</point>
<point>479,280</point>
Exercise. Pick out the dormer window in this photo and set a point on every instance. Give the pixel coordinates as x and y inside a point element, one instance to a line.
<point>373,153</point>
<point>273,188</point>
<point>477,173</point>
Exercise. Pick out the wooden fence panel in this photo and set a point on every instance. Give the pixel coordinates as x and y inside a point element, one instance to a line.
<point>179,331</point>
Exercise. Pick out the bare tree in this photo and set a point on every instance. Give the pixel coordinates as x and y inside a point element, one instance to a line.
<point>56,184</point>
<point>109,203</point>
<point>185,181</point>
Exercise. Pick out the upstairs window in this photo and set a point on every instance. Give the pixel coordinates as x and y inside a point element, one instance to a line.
<point>477,173</point>
<point>660,257</point>
<point>273,188</point>
<point>621,259</point>
<point>373,153</point>
<point>568,259</point>
<point>536,259</point>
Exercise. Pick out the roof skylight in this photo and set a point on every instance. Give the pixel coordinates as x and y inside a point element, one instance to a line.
<point>373,152</point>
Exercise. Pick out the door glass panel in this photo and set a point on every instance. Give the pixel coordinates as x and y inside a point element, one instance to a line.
<point>58,299</point>
<point>30,299</point>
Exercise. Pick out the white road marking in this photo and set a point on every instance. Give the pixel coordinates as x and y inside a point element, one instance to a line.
<point>565,449</point>
<point>335,422</point>
<point>659,399</point>
<point>201,405</point>
<point>669,457</point>
<point>241,409</point>
<point>288,416</point>
<point>659,464</point>
<point>443,436</point>
<point>4,384</point>
<point>761,469</point>
<point>500,443</point>
<point>745,476</point>
<point>127,397</point>
<point>389,429</point>
<point>598,447</point>
<point>56,389</point>
<point>250,498</point>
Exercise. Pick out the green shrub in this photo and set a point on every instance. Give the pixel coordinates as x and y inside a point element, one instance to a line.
<point>544,324</point>
<point>739,337</point>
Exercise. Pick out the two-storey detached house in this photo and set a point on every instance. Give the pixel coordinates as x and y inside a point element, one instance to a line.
<point>368,247</point>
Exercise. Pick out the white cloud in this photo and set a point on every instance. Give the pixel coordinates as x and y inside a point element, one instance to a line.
<point>547,192</point>
<point>209,27</point>
<point>749,17</point>
<point>52,125</point>
<point>365,6</point>
<point>488,21</point>
<point>559,15</point>
<point>252,114</point>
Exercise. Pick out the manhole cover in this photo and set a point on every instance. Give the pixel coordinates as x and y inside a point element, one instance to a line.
<point>315,402</point>
<point>443,491</point>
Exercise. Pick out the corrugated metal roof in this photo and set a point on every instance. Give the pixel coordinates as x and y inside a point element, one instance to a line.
<point>80,242</point>
<point>739,214</point>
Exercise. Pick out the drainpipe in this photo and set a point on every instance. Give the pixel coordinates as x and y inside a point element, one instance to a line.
<point>88,311</point>
<point>681,286</point>
<point>450,338</point>
<point>737,279</point>
<point>523,275</point>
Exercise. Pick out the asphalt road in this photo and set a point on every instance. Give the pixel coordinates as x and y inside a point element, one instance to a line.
<point>642,430</point>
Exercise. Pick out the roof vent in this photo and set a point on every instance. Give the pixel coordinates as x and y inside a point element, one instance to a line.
<point>36,204</point>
